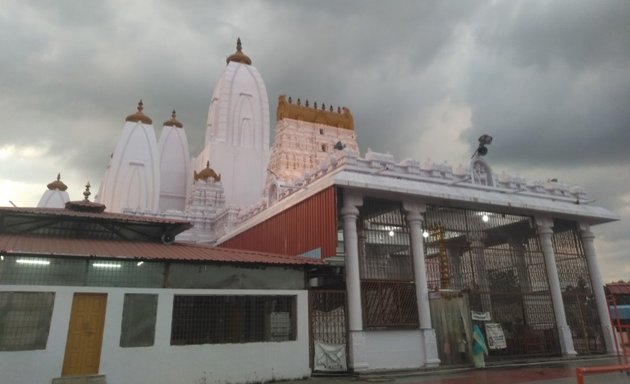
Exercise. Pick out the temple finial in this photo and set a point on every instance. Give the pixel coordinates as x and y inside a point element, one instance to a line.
<point>59,176</point>
<point>87,192</point>
<point>173,115</point>
<point>140,105</point>
<point>239,56</point>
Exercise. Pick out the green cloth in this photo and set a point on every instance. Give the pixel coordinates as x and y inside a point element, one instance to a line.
<point>479,347</point>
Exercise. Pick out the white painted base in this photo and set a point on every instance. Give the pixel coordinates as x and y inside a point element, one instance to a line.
<point>430,348</point>
<point>609,339</point>
<point>84,379</point>
<point>566,341</point>
<point>386,350</point>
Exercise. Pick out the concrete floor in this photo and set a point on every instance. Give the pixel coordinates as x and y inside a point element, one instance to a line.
<point>546,372</point>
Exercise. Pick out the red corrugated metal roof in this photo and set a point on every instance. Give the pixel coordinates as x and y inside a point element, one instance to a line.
<point>618,288</point>
<point>56,246</point>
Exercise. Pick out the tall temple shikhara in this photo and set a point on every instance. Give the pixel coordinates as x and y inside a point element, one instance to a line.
<point>236,171</point>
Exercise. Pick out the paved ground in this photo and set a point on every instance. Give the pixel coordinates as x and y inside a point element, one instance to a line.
<point>551,372</point>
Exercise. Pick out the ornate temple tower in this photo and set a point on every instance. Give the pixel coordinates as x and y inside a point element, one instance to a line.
<point>175,173</point>
<point>305,137</point>
<point>132,179</point>
<point>56,196</point>
<point>237,134</point>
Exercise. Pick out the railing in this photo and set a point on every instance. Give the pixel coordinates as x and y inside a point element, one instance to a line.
<point>582,371</point>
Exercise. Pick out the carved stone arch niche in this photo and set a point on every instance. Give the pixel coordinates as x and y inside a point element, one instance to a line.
<point>481,173</point>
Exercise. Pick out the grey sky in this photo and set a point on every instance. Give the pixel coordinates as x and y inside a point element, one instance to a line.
<point>550,80</point>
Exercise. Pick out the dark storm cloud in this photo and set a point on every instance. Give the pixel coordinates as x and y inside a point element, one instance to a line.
<point>549,80</point>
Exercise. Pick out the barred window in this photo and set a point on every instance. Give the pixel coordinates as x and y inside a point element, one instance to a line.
<point>232,319</point>
<point>138,320</point>
<point>25,320</point>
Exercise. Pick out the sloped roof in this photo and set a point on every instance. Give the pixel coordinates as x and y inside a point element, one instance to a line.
<point>94,225</point>
<point>46,246</point>
<point>618,288</point>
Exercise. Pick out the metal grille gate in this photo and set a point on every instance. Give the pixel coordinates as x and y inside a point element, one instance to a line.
<point>494,258</point>
<point>328,330</point>
<point>577,292</point>
<point>388,290</point>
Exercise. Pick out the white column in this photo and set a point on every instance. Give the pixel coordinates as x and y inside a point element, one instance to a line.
<point>545,232</point>
<point>349,212</point>
<point>598,285</point>
<point>415,221</point>
<point>356,339</point>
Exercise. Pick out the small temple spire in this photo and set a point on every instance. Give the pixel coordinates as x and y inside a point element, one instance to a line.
<point>206,173</point>
<point>87,192</point>
<point>57,184</point>
<point>173,121</point>
<point>85,205</point>
<point>239,56</point>
<point>139,117</point>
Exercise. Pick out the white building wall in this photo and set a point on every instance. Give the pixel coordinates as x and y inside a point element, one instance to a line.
<point>161,363</point>
<point>388,350</point>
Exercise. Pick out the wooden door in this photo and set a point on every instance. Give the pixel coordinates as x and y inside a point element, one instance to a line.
<point>85,334</point>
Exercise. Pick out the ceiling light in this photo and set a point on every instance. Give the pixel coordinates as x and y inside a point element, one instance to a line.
<point>391,233</point>
<point>140,263</point>
<point>106,265</point>
<point>425,234</point>
<point>32,262</point>
<point>485,218</point>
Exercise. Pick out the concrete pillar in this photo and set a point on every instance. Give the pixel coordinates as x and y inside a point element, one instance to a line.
<point>356,339</point>
<point>415,222</point>
<point>598,285</point>
<point>349,212</point>
<point>545,231</point>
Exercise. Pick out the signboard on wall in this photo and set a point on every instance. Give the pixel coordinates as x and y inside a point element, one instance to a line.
<point>495,336</point>
<point>480,316</point>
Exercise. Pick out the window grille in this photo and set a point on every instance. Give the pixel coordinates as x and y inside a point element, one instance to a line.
<point>25,320</point>
<point>386,266</point>
<point>389,304</point>
<point>220,319</point>
<point>138,320</point>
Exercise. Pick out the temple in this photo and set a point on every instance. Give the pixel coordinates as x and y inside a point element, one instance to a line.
<point>354,260</point>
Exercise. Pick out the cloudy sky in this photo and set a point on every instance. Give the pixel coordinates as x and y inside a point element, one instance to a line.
<point>550,80</point>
